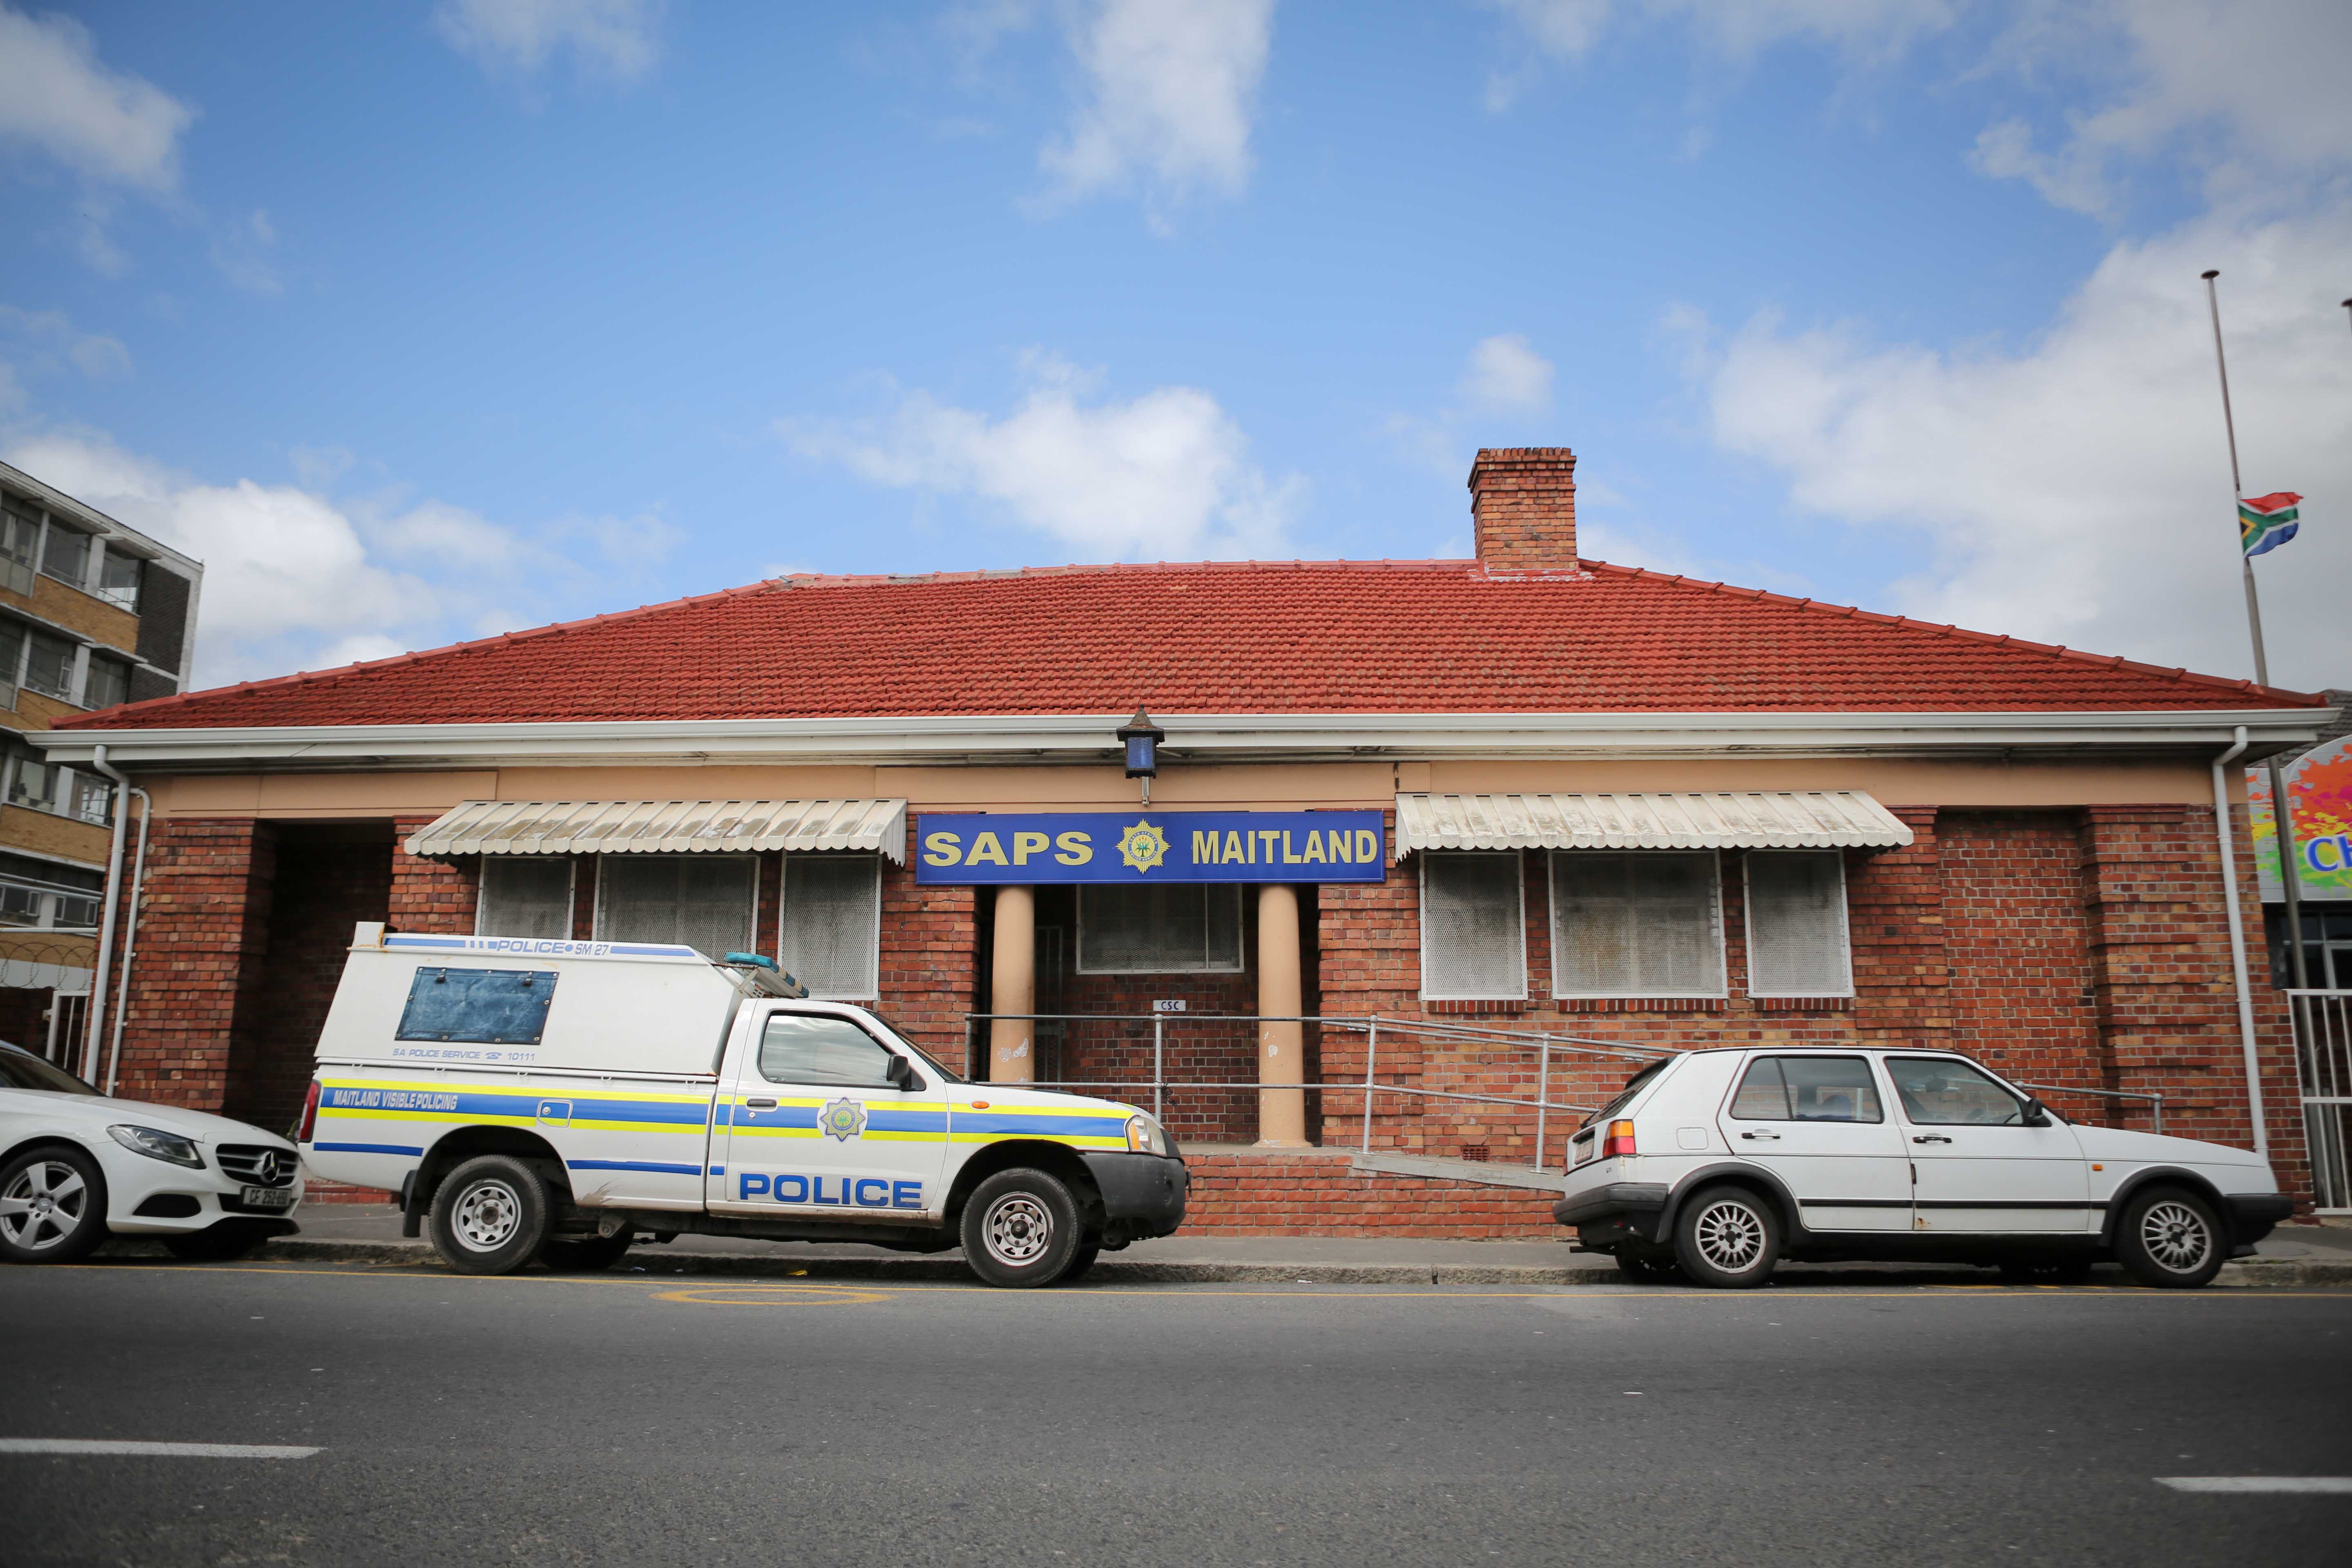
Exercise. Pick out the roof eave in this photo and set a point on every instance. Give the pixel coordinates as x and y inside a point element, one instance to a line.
<point>1013,739</point>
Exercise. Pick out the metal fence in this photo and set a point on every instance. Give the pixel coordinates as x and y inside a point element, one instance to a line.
<point>2323,1068</point>
<point>1489,1096</point>
<point>1372,1082</point>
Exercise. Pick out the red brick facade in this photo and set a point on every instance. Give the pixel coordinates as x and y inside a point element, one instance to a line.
<point>2084,947</point>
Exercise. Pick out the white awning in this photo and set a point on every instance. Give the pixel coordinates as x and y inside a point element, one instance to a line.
<point>1758,820</point>
<point>663,826</point>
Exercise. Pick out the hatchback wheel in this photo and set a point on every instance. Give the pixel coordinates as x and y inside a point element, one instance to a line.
<point>1726,1238</point>
<point>2171,1239</point>
<point>52,1206</point>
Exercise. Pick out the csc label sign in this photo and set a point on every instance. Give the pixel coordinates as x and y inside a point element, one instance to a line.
<point>1151,847</point>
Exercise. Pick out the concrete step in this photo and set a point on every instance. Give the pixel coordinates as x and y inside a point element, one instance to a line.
<point>1478,1171</point>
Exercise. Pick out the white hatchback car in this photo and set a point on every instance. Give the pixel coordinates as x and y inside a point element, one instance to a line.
<point>76,1165</point>
<point>1718,1163</point>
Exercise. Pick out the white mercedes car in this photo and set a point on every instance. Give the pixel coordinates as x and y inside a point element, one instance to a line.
<point>76,1165</point>
<point>1716,1164</point>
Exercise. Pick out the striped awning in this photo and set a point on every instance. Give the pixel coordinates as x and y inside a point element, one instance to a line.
<point>663,826</point>
<point>1757,819</point>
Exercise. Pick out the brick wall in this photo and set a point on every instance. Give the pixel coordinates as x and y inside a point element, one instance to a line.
<point>434,898</point>
<point>930,974</point>
<point>1253,1193</point>
<point>202,935</point>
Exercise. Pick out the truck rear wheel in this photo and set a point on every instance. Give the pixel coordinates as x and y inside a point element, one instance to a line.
<point>1021,1229</point>
<point>489,1215</point>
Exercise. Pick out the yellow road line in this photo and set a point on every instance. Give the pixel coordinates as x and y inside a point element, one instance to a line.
<point>1178,1287</point>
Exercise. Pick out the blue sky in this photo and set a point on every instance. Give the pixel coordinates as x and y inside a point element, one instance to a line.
<point>425,322</point>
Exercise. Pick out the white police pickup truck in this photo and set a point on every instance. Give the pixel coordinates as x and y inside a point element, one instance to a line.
<point>555,1100</point>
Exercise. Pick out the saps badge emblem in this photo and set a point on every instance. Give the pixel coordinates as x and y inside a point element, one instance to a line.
<point>843,1119</point>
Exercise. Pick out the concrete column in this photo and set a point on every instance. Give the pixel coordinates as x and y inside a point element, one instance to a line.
<point>1281,1052</point>
<point>1013,988</point>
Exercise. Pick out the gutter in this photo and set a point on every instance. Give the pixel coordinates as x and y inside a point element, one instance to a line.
<point>2227,834</point>
<point>1029,739</point>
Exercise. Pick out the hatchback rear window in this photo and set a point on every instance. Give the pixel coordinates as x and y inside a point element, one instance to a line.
<point>1632,1087</point>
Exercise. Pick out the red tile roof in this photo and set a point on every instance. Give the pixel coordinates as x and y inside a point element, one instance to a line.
<point>1302,637</point>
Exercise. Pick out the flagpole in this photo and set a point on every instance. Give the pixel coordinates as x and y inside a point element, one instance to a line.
<point>2282,808</point>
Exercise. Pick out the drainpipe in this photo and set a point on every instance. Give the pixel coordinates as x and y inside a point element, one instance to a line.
<point>130,938</point>
<point>2238,941</point>
<point>97,1030</point>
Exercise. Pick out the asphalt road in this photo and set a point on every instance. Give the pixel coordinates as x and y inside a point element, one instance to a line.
<point>675,1419</point>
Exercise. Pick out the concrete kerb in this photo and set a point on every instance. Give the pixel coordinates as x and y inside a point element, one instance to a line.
<point>2255,1274</point>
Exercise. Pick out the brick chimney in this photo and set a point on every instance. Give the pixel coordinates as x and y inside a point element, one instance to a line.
<point>1523,505</point>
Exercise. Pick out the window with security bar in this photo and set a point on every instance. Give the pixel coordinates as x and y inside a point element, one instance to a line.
<point>65,554</point>
<point>1474,928</point>
<point>1636,924</point>
<point>1166,928</point>
<point>703,902</point>
<point>524,896</point>
<point>1797,941</point>
<point>833,925</point>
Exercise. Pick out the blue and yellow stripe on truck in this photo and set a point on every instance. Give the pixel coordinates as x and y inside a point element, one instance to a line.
<point>383,1102</point>
<point>604,1111</point>
<point>795,1116</point>
<point>1079,1126</point>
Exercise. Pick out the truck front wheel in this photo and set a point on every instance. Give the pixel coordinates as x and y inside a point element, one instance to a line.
<point>1021,1229</point>
<point>489,1215</point>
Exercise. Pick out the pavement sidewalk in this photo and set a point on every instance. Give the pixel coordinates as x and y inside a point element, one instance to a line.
<point>2294,1255</point>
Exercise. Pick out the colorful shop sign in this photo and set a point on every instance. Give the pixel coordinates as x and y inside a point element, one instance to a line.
<point>1151,847</point>
<point>2320,784</point>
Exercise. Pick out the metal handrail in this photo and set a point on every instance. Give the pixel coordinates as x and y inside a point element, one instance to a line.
<point>1368,1026</point>
<point>2104,1094</point>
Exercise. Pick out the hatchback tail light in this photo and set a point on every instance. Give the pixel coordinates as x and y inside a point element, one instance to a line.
<point>310,1114</point>
<point>1620,1141</point>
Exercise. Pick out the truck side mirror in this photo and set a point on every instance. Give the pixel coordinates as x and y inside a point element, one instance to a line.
<point>901,1074</point>
<point>2034,1114</point>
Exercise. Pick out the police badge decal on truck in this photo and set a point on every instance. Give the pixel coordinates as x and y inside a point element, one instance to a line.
<point>557,1113</point>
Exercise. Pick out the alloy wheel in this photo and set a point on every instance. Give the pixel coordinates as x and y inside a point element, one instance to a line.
<point>2175,1236</point>
<point>43,1205</point>
<point>1730,1236</point>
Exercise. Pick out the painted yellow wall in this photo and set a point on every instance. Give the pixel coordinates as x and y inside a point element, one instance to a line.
<point>1891,781</point>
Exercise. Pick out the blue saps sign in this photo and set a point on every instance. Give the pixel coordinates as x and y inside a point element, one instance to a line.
<point>1151,847</point>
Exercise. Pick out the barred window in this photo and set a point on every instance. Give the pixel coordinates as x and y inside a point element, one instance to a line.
<point>525,895</point>
<point>832,924</point>
<point>1166,928</point>
<point>1473,944</point>
<point>1642,922</point>
<point>701,901</point>
<point>1797,942</point>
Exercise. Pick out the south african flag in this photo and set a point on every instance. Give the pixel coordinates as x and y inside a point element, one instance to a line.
<point>2265,522</point>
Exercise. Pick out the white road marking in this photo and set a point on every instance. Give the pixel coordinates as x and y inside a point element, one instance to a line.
<point>2341,1484</point>
<point>153,1450</point>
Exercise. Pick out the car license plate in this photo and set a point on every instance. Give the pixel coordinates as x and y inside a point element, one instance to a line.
<point>268,1197</point>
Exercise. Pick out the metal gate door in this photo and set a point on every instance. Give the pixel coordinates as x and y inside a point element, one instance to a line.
<point>2322,1066</point>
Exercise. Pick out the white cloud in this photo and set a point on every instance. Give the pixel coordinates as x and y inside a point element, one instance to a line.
<point>2228,85</point>
<point>614,39</point>
<point>56,95</point>
<point>1164,476</point>
<point>1507,374</point>
<point>1172,87</point>
<point>297,579</point>
<point>2077,491</point>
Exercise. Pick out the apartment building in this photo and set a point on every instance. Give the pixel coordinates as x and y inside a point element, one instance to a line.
<point>91,613</point>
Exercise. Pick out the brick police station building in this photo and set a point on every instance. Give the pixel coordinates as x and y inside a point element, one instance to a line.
<point>1488,801</point>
